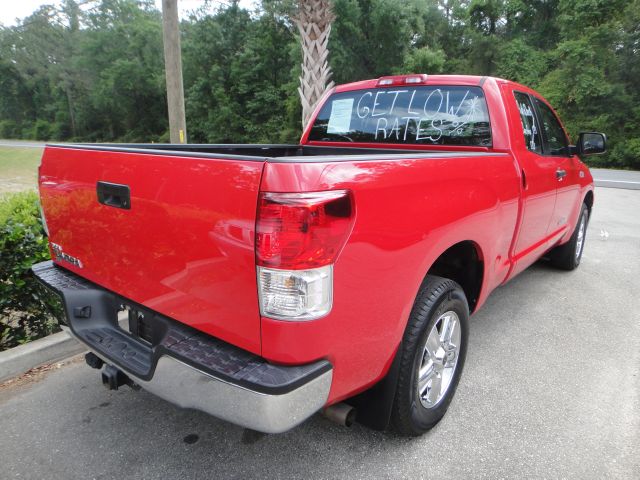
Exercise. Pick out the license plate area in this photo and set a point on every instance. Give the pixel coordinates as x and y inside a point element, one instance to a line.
<point>141,323</point>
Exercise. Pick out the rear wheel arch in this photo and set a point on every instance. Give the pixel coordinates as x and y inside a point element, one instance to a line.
<point>463,263</point>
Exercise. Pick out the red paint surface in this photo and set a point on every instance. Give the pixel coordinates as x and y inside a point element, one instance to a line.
<point>186,247</point>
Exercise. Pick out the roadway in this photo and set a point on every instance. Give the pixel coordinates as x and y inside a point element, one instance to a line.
<point>21,143</point>
<point>626,179</point>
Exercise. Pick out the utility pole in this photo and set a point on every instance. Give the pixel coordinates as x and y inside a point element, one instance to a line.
<point>173,71</point>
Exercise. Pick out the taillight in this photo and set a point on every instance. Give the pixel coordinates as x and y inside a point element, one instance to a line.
<point>43,219</point>
<point>298,238</point>
<point>295,294</point>
<point>302,230</point>
<point>45,227</point>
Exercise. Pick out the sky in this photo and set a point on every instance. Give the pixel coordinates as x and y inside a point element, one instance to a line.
<point>12,9</point>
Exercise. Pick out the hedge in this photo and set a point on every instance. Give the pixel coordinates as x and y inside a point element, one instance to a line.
<point>27,311</point>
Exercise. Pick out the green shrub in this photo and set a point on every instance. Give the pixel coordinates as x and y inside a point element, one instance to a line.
<point>9,129</point>
<point>59,131</point>
<point>27,311</point>
<point>41,130</point>
<point>165,137</point>
<point>626,154</point>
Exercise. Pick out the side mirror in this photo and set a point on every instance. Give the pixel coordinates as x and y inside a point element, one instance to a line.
<point>591,143</point>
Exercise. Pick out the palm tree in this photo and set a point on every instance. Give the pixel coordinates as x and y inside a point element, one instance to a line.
<point>313,19</point>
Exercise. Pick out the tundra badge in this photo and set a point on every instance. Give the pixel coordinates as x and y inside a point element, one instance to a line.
<point>65,257</point>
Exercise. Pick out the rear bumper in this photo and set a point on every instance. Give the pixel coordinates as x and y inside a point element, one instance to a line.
<point>185,366</point>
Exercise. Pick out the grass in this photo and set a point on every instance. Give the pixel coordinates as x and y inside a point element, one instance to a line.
<point>19,168</point>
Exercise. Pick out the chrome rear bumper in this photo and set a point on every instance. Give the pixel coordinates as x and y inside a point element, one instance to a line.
<point>190,388</point>
<point>187,367</point>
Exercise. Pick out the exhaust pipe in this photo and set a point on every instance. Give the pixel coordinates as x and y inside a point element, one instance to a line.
<point>340,413</point>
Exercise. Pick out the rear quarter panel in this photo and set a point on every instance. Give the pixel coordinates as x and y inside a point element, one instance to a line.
<point>408,212</point>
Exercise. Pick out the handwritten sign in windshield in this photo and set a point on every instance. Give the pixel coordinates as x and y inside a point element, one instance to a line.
<point>431,115</point>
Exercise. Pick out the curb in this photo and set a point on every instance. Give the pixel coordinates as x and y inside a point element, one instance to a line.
<point>18,360</point>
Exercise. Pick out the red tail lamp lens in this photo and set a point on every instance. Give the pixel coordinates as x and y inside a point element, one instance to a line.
<point>302,230</point>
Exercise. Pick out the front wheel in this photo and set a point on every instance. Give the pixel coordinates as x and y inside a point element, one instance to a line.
<point>568,256</point>
<point>433,351</point>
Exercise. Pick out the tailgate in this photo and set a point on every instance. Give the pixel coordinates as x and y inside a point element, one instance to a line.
<point>181,243</point>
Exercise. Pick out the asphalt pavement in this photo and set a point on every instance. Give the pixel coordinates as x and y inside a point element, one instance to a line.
<point>550,390</point>
<point>626,179</point>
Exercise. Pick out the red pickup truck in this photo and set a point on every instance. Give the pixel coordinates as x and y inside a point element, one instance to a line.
<point>263,283</point>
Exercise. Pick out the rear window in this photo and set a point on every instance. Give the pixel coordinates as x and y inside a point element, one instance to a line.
<point>446,115</point>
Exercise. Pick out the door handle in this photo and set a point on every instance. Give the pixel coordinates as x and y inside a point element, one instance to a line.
<point>114,195</point>
<point>560,174</point>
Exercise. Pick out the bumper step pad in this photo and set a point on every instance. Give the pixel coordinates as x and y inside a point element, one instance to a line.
<point>214,357</point>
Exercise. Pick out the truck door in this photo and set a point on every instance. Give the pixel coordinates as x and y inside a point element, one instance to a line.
<point>538,182</point>
<point>556,147</point>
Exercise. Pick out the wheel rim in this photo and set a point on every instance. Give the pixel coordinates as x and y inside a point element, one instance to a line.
<point>580,239</point>
<point>439,359</point>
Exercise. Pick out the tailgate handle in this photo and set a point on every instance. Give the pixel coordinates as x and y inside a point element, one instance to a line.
<point>114,195</point>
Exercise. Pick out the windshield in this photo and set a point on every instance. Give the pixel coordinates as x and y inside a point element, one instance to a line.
<point>434,115</point>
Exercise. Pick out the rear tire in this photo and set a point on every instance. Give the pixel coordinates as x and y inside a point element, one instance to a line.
<point>568,256</point>
<point>432,356</point>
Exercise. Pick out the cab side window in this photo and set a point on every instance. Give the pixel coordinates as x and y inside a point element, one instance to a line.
<point>529,125</point>
<point>554,135</point>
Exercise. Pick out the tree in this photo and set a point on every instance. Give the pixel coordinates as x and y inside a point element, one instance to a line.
<point>313,19</point>
<point>96,74</point>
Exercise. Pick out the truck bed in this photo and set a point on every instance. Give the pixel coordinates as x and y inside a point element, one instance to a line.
<point>276,152</point>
